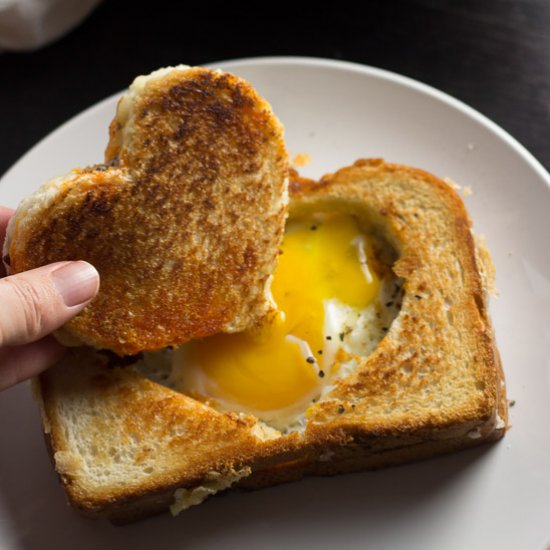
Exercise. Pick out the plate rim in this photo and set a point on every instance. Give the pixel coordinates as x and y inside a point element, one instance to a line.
<point>400,80</point>
<point>528,161</point>
<point>369,70</point>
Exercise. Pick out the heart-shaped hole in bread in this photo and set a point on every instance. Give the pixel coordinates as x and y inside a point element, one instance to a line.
<point>183,221</point>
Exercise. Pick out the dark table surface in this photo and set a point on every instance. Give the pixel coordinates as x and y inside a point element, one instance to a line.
<point>493,55</point>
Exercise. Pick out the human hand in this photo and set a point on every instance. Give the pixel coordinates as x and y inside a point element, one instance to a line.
<point>33,304</point>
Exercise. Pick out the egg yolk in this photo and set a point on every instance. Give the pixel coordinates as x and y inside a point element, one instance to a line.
<point>284,362</point>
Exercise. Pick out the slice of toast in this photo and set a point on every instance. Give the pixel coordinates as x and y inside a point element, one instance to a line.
<point>183,221</point>
<point>125,446</point>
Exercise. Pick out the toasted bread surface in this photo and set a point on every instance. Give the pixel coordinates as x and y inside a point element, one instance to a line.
<point>115,435</point>
<point>433,385</point>
<point>438,360</point>
<point>183,222</point>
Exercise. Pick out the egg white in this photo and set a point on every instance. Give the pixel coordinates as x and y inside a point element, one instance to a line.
<point>285,418</point>
<point>354,331</point>
<point>350,334</point>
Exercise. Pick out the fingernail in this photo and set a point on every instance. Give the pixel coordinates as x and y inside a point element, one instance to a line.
<point>77,282</point>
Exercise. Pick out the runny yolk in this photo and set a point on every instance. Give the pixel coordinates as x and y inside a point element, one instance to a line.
<point>284,362</point>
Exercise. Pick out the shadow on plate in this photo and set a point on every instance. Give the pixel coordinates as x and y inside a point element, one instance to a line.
<point>312,512</point>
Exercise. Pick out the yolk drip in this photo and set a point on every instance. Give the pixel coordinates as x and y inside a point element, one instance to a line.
<point>281,363</point>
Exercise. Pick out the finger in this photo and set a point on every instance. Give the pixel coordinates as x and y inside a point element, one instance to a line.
<point>36,302</point>
<point>5,215</point>
<point>21,362</point>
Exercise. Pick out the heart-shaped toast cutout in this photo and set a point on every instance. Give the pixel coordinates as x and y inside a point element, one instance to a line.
<point>183,222</point>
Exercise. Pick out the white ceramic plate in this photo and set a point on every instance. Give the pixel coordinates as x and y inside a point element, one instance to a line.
<point>494,497</point>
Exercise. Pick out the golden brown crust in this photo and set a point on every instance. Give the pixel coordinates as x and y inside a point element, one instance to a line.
<point>184,221</point>
<point>434,384</point>
<point>103,418</point>
<point>443,328</point>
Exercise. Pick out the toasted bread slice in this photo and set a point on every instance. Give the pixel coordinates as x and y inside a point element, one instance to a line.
<point>183,222</point>
<point>125,446</point>
<point>122,444</point>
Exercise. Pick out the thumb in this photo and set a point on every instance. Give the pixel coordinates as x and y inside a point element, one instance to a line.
<point>36,302</point>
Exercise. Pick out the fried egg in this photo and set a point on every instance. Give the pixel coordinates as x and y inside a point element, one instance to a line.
<point>327,298</point>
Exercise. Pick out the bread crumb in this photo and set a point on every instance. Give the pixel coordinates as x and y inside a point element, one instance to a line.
<point>475,433</point>
<point>263,432</point>
<point>452,184</point>
<point>301,159</point>
<point>485,264</point>
<point>465,191</point>
<point>215,481</point>
<point>67,463</point>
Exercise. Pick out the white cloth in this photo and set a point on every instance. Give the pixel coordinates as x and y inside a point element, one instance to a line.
<point>31,24</point>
